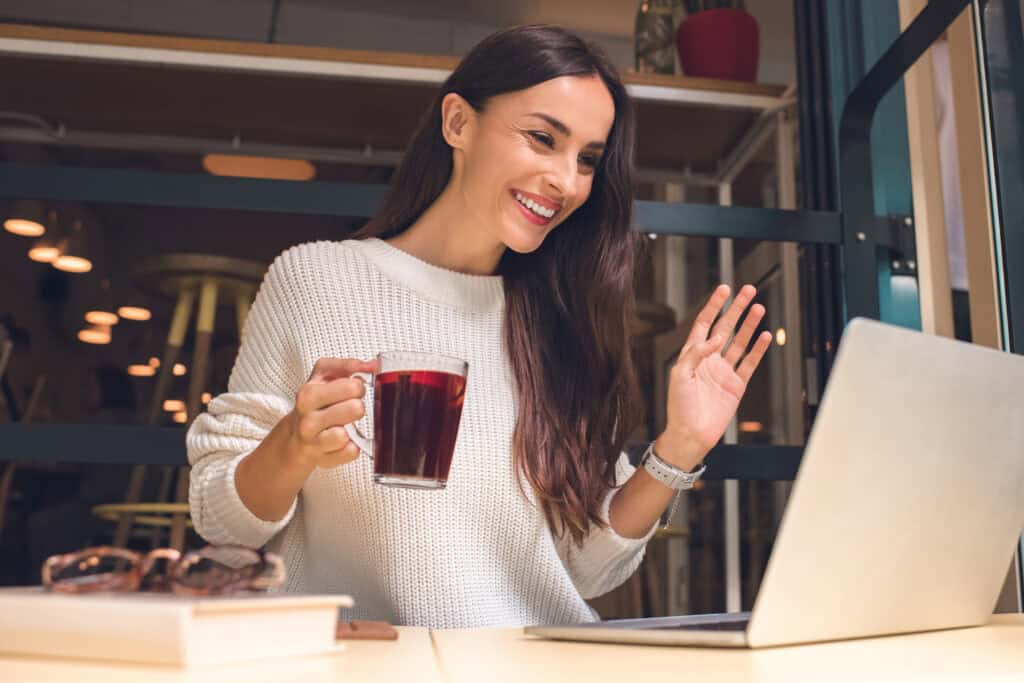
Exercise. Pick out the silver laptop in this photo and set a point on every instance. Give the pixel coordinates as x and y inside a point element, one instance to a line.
<point>905,512</point>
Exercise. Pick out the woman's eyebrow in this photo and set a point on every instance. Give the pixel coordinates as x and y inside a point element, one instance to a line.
<point>562,128</point>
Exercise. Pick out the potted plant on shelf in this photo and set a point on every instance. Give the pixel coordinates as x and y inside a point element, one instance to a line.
<point>718,39</point>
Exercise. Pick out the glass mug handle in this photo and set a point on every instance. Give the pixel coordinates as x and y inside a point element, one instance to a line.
<point>363,442</point>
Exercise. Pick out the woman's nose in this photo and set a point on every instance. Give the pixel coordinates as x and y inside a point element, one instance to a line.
<point>562,178</point>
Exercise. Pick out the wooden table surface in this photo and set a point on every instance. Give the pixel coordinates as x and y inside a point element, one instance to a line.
<point>989,653</point>
<point>410,659</point>
<point>976,655</point>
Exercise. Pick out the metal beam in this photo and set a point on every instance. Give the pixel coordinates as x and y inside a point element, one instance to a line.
<point>708,220</point>
<point>196,190</point>
<point>191,190</point>
<point>860,239</point>
<point>137,445</point>
<point>110,444</point>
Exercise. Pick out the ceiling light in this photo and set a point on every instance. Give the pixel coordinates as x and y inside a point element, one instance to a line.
<point>780,336</point>
<point>173,405</point>
<point>72,264</point>
<point>241,166</point>
<point>751,426</point>
<point>181,417</point>
<point>74,258</point>
<point>207,397</point>
<point>94,334</point>
<point>179,369</point>
<point>141,370</point>
<point>101,318</point>
<point>44,253</point>
<point>26,219</point>
<point>134,313</point>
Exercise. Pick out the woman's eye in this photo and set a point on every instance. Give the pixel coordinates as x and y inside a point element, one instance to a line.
<point>543,138</point>
<point>589,160</point>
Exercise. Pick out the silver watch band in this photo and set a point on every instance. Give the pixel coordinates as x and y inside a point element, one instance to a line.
<point>668,474</point>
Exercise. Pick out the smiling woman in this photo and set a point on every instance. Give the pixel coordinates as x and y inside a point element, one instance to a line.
<point>505,242</point>
<point>523,166</point>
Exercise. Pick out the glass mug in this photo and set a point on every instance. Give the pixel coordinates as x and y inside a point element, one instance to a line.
<point>417,406</point>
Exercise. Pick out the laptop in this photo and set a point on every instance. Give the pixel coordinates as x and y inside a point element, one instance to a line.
<point>906,510</point>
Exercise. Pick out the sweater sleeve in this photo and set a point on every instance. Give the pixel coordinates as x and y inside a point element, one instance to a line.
<point>261,391</point>
<point>605,559</point>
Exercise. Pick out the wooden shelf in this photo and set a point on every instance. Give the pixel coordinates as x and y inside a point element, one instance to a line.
<point>301,96</point>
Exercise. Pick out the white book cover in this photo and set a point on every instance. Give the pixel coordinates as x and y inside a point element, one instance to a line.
<point>166,629</point>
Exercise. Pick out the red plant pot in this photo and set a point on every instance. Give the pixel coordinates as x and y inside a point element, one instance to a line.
<point>719,43</point>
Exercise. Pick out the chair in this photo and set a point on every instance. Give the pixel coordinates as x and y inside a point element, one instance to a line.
<point>184,277</point>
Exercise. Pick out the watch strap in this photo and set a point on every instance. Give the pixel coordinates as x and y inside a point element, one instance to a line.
<point>667,473</point>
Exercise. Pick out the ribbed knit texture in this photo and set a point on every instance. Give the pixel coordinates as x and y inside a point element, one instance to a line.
<point>478,553</point>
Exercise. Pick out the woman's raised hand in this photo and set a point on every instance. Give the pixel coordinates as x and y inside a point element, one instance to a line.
<point>709,378</point>
<point>330,399</point>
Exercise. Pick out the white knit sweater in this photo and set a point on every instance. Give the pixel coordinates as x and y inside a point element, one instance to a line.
<point>477,553</point>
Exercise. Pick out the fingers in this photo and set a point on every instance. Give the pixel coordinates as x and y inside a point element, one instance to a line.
<point>335,415</point>
<point>702,325</point>
<point>327,369</point>
<point>342,456</point>
<point>727,323</point>
<point>753,359</point>
<point>736,348</point>
<point>314,396</point>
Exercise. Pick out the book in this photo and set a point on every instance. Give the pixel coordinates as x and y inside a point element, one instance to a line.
<point>174,630</point>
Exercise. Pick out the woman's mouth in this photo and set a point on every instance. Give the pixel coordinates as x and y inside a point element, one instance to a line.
<point>534,211</point>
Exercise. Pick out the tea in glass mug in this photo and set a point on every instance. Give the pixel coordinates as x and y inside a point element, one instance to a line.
<point>417,406</point>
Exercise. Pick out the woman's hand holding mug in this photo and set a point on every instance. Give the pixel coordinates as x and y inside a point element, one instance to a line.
<point>331,398</point>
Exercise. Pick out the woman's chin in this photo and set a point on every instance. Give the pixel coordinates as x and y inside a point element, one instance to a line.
<point>525,239</point>
<point>524,244</point>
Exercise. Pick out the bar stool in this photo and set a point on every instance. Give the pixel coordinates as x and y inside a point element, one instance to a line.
<point>183,277</point>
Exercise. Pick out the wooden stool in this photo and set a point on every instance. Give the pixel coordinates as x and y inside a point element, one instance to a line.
<point>214,279</point>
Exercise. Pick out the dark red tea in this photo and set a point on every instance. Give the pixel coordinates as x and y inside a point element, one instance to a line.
<point>416,420</point>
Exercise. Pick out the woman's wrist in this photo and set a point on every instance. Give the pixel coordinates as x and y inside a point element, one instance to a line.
<point>679,451</point>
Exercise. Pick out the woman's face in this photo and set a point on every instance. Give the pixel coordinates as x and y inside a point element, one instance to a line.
<point>529,157</point>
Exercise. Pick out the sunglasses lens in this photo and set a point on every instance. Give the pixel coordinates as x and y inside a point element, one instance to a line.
<point>219,568</point>
<point>90,568</point>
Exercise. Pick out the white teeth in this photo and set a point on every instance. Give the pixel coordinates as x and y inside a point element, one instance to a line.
<point>541,211</point>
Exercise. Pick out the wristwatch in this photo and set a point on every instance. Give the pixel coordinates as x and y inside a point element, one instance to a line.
<point>669,475</point>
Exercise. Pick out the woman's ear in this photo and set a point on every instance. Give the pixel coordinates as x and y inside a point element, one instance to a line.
<point>457,117</point>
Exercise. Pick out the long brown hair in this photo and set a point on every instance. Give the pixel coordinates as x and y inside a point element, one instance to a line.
<point>568,303</point>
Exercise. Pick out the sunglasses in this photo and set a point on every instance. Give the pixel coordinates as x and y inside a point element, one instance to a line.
<point>213,570</point>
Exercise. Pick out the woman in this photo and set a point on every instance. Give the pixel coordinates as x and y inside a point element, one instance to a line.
<point>505,241</point>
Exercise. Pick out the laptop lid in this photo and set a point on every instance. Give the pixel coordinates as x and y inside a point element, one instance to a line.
<point>910,496</point>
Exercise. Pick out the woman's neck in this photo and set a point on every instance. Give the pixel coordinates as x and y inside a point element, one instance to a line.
<point>447,236</point>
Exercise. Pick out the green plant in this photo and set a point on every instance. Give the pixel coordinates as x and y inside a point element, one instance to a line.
<point>694,6</point>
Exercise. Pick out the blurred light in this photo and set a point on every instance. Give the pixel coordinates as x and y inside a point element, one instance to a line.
<point>173,405</point>
<point>179,369</point>
<point>101,318</point>
<point>94,334</point>
<point>141,370</point>
<point>134,313</point>
<point>26,219</point>
<point>44,253</point>
<point>74,257</point>
<point>780,336</point>
<point>181,417</point>
<point>258,167</point>
<point>24,227</point>
<point>154,362</point>
<point>207,397</point>
<point>72,264</point>
<point>751,426</point>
